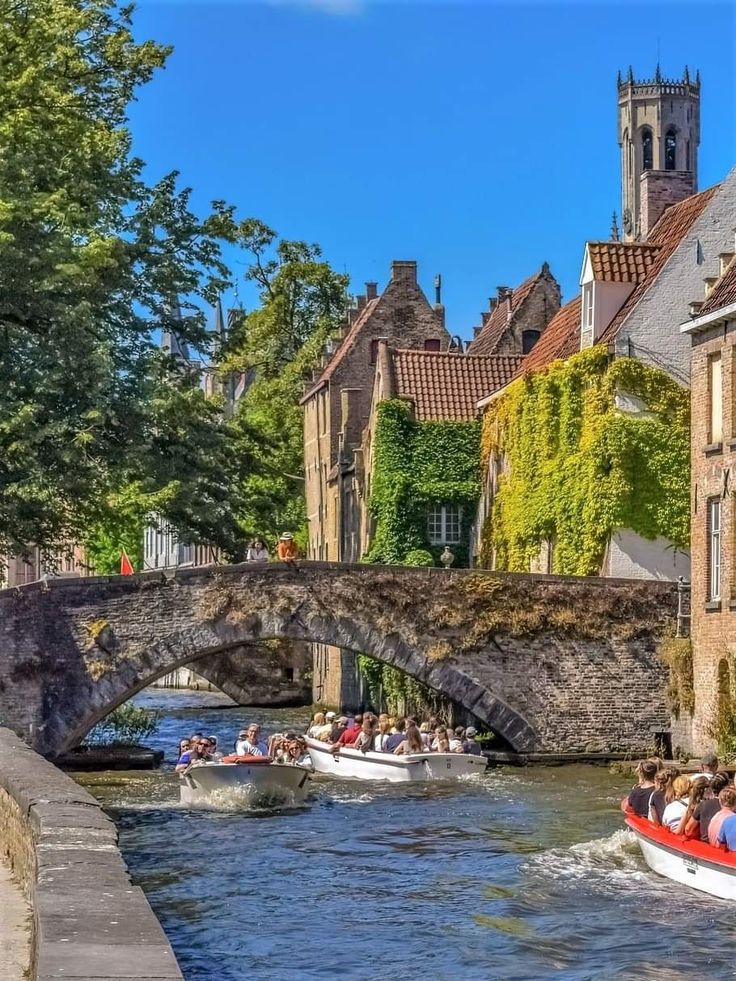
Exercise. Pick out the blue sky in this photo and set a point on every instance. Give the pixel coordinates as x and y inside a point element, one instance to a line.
<point>477,138</point>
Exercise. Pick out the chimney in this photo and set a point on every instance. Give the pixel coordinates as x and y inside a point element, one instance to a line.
<point>404,271</point>
<point>361,301</point>
<point>658,190</point>
<point>492,303</point>
<point>371,291</point>
<point>485,317</point>
<point>504,293</point>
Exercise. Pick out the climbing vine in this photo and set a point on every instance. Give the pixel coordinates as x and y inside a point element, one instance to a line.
<point>419,465</point>
<point>389,688</point>
<point>578,464</point>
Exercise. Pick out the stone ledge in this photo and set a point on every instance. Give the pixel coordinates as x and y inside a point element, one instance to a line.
<point>89,921</point>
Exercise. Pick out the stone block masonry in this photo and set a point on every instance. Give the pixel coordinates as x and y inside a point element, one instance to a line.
<point>89,922</point>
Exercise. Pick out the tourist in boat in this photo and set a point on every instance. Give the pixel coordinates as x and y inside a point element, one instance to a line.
<point>350,734</point>
<point>287,551</point>
<point>366,736</point>
<point>689,826</point>
<point>411,743</point>
<point>194,755</point>
<point>727,800</point>
<point>318,722</point>
<point>469,744</point>
<point>425,732</point>
<point>637,801</point>
<point>397,736</point>
<point>382,736</point>
<point>184,745</point>
<point>708,767</point>
<point>662,786</point>
<point>249,744</point>
<point>677,807</point>
<point>456,739</point>
<point>707,808</point>
<point>257,551</point>
<point>338,728</point>
<point>440,743</point>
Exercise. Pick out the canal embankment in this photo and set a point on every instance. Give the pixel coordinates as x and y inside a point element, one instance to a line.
<point>88,921</point>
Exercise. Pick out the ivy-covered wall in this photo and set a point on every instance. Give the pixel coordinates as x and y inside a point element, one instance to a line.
<point>576,468</point>
<point>418,465</point>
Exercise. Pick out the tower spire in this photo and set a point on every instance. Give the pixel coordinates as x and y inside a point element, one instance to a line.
<point>615,235</point>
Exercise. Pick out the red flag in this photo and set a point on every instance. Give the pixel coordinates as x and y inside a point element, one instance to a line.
<point>126,566</point>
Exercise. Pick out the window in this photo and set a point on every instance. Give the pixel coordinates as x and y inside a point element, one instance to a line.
<point>587,334</point>
<point>714,548</point>
<point>374,351</point>
<point>670,150</point>
<point>647,155</point>
<point>715,399</point>
<point>432,345</point>
<point>443,524</point>
<point>528,339</point>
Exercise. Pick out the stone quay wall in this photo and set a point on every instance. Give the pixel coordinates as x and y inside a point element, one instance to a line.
<point>89,921</point>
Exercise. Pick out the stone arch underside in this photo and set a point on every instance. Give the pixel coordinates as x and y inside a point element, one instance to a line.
<point>192,644</point>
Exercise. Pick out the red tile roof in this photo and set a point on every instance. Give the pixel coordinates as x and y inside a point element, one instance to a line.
<point>445,385</point>
<point>723,293</point>
<point>345,345</point>
<point>490,334</point>
<point>621,262</point>
<point>669,231</point>
<point>560,339</point>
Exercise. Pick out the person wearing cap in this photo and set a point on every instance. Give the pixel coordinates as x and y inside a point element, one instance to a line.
<point>469,743</point>
<point>349,736</point>
<point>339,726</point>
<point>288,552</point>
<point>708,767</point>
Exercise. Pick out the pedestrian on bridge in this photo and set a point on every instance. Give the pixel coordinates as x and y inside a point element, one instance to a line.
<point>288,552</point>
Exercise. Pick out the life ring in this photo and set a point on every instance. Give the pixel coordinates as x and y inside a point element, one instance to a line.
<point>249,760</point>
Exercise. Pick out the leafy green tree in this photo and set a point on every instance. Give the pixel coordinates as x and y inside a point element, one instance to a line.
<point>91,257</point>
<point>278,344</point>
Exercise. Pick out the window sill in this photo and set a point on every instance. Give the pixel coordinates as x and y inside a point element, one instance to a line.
<point>713,606</point>
<point>712,449</point>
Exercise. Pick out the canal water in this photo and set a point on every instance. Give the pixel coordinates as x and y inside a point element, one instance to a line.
<point>518,874</point>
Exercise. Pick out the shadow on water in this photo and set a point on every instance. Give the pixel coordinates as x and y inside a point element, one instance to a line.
<point>519,874</point>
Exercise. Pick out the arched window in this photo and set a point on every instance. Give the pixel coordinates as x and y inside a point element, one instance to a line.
<point>647,151</point>
<point>528,339</point>
<point>670,150</point>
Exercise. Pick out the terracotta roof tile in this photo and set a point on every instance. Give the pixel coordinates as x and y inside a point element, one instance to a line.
<point>445,385</point>
<point>345,345</point>
<point>669,231</point>
<point>560,339</point>
<point>490,334</point>
<point>723,293</point>
<point>621,262</point>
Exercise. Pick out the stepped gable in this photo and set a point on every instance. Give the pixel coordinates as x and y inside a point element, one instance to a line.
<point>445,385</point>
<point>621,262</point>
<point>491,332</point>
<point>561,339</point>
<point>723,293</point>
<point>669,231</point>
<point>346,344</point>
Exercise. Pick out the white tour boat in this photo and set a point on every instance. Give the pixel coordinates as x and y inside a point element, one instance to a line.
<point>353,764</point>
<point>691,862</point>
<point>253,779</point>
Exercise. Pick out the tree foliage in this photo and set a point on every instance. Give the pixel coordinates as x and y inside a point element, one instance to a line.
<point>278,344</point>
<point>92,256</point>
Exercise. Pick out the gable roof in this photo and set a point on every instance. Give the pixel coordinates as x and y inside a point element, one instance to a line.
<point>560,339</point>
<point>621,262</point>
<point>669,231</point>
<point>723,293</point>
<point>446,385</point>
<point>345,345</point>
<point>490,334</point>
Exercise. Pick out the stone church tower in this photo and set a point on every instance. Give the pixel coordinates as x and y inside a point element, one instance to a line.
<point>659,133</point>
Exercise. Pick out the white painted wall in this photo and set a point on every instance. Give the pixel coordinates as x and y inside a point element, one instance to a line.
<point>629,556</point>
<point>608,298</point>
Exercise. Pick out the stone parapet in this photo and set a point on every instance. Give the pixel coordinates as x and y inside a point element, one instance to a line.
<point>89,921</point>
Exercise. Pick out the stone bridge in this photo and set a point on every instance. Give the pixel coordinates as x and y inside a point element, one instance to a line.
<point>549,663</point>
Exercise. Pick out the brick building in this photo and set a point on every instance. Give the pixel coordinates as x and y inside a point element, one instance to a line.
<point>516,318</point>
<point>712,332</point>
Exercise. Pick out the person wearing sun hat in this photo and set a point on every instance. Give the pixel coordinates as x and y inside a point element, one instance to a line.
<point>288,552</point>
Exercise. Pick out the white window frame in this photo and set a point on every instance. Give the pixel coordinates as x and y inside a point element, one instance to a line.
<point>444,524</point>
<point>587,338</point>
<point>715,398</point>
<point>714,549</point>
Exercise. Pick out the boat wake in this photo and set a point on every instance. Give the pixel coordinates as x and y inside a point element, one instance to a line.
<point>242,798</point>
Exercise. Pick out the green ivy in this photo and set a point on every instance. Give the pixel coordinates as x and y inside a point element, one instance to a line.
<point>391,689</point>
<point>577,468</point>
<point>418,465</point>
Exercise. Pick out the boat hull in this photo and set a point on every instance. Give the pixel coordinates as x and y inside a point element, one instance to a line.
<point>692,863</point>
<point>350,764</point>
<point>214,783</point>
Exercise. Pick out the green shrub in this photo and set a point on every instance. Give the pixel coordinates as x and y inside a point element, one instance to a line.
<point>126,725</point>
<point>419,556</point>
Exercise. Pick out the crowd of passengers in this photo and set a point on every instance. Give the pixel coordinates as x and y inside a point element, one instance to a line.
<point>699,805</point>
<point>389,734</point>
<point>283,747</point>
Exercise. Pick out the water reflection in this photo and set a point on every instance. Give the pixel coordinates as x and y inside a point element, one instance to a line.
<point>518,875</point>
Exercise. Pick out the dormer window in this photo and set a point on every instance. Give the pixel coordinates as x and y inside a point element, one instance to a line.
<point>528,339</point>
<point>670,150</point>
<point>647,151</point>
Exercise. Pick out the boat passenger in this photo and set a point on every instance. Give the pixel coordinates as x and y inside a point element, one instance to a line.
<point>440,743</point>
<point>325,731</point>
<point>257,551</point>
<point>184,745</point>
<point>338,728</point>
<point>677,807</point>
<point>366,736</point>
<point>707,808</point>
<point>639,796</point>
<point>397,736</point>
<point>727,800</point>
<point>195,754</point>
<point>456,739</point>
<point>317,723</point>
<point>249,743</point>
<point>698,787</point>
<point>411,743</point>
<point>349,735</point>
<point>469,744</point>
<point>662,786</point>
<point>708,766</point>
<point>426,733</point>
<point>381,736</point>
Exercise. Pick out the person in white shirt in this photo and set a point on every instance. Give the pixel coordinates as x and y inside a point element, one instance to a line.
<point>677,807</point>
<point>248,743</point>
<point>257,551</point>
<point>708,767</point>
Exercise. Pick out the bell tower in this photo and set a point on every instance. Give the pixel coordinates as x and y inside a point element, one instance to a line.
<point>659,134</point>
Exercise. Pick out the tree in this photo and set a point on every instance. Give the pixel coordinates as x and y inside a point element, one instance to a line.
<point>91,258</point>
<point>302,302</point>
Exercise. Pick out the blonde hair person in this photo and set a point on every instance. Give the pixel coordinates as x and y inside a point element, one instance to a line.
<point>677,807</point>
<point>317,722</point>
